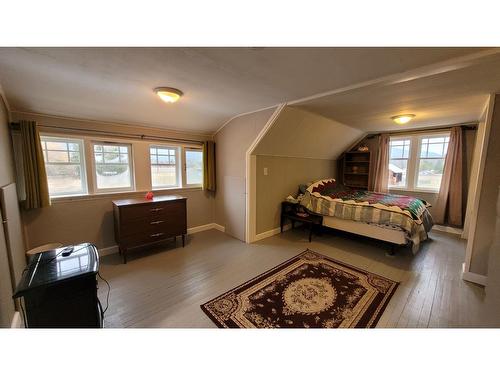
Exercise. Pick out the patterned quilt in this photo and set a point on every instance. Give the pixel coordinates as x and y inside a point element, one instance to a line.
<point>410,214</point>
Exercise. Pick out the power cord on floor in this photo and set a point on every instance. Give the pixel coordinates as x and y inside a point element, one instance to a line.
<point>107,297</point>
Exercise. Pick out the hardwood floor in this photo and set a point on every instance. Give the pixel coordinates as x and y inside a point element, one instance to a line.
<point>165,287</point>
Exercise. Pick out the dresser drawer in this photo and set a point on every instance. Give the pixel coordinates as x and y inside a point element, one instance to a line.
<point>154,225</point>
<point>153,211</point>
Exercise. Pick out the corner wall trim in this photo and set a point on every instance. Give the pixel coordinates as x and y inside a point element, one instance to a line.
<point>473,277</point>
<point>16,320</point>
<point>114,249</point>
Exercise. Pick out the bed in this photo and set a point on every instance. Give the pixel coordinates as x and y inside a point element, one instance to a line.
<point>397,219</point>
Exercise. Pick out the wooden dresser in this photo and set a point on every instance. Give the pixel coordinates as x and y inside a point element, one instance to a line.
<point>141,222</point>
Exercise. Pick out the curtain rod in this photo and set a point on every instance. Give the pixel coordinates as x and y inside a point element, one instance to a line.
<point>470,126</point>
<point>15,126</point>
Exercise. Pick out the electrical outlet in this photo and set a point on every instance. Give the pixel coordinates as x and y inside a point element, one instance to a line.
<point>265,171</point>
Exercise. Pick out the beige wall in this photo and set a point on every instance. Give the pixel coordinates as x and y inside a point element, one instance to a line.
<point>284,174</point>
<point>486,218</point>
<point>90,219</point>
<point>300,146</point>
<point>232,143</point>
<point>6,177</point>
<point>303,134</point>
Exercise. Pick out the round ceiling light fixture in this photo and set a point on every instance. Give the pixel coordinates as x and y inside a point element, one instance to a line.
<point>168,94</point>
<point>402,119</point>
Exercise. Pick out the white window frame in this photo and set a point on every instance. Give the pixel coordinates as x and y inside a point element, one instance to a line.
<point>414,161</point>
<point>81,143</point>
<point>178,152</point>
<point>418,158</point>
<point>408,178</point>
<point>184,165</point>
<point>96,189</point>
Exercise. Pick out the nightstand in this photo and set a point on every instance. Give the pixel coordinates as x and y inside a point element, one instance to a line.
<point>289,211</point>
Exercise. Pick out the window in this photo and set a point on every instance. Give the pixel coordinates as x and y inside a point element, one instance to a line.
<point>85,165</point>
<point>65,166</point>
<point>164,166</point>
<point>113,167</point>
<point>417,162</point>
<point>194,166</point>
<point>399,152</point>
<point>431,162</point>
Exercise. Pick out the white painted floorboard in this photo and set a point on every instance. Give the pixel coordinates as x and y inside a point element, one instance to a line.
<point>166,286</point>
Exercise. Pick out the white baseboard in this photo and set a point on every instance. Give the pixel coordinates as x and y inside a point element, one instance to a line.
<point>114,249</point>
<point>16,320</point>
<point>272,232</point>
<point>473,277</point>
<point>219,227</point>
<point>443,228</point>
<point>200,228</point>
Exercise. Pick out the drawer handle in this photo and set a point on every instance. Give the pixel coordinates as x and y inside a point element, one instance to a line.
<point>157,234</point>
<point>156,209</point>
<point>156,222</point>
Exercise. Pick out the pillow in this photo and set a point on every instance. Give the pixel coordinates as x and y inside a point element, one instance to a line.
<point>327,186</point>
<point>326,181</point>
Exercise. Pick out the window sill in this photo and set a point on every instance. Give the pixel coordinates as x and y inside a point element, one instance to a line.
<point>122,194</point>
<point>436,192</point>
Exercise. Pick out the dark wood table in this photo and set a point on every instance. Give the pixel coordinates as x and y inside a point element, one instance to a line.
<point>289,211</point>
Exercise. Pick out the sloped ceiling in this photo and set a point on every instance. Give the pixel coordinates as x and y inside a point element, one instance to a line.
<point>115,84</point>
<point>302,134</point>
<point>455,95</point>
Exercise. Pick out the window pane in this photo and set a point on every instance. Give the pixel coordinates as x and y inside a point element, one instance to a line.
<point>111,148</point>
<point>430,172</point>
<point>64,179</point>
<point>73,147</point>
<point>99,158</point>
<point>435,150</point>
<point>194,167</point>
<point>163,175</point>
<point>163,159</point>
<point>74,157</point>
<point>112,167</point>
<point>64,164</point>
<point>397,173</point>
<point>62,146</point>
<point>124,158</point>
<point>57,157</point>
<point>396,152</point>
<point>111,158</point>
<point>113,176</point>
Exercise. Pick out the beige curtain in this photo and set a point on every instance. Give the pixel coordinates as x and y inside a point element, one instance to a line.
<point>35,177</point>
<point>448,208</point>
<point>381,171</point>
<point>209,166</point>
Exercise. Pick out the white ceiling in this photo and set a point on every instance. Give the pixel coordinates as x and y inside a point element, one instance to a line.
<point>450,96</point>
<point>115,84</point>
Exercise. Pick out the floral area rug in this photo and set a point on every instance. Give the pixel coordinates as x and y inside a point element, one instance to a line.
<point>309,290</point>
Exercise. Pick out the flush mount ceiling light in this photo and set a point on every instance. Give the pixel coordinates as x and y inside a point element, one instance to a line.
<point>168,94</point>
<point>402,119</point>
